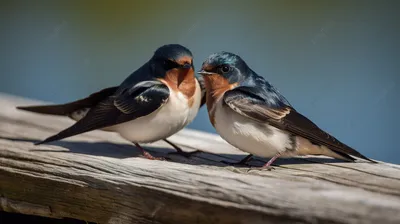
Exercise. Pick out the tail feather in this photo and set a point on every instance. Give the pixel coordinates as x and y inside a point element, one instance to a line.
<point>351,152</point>
<point>347,155</point>
<point>103,115</point>
<point>61,110</point>
<point>61,135</point>
<point>307,147</point>
<point>68,108</point>
<point>343,156</point>
<point>44,141</point>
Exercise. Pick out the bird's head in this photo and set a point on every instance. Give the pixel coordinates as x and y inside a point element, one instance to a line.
<point>223,71</point>
<point>172,59</point>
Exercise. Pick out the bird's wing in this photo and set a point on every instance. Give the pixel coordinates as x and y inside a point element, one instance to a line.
<point>252,103</point>
<point>68,108</point>
<point>128,104</point>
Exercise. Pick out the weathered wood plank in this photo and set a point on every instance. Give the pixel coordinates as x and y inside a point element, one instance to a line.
<point>100,177</point>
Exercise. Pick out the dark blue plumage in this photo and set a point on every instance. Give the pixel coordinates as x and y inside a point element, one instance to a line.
<point>245,77</point>
<point>171,51</point>
<point>156,66</point>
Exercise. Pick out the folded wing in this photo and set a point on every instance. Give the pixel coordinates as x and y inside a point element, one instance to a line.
<point>126,105</point>
<point>249,102</point>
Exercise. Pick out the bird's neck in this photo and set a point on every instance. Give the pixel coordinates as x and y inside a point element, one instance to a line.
<point>183,81</point>
<point>216,86</point>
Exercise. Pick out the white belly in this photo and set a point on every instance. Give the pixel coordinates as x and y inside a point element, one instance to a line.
<point>249,136</point>
<point>162,123</point>
<point>169,119</point>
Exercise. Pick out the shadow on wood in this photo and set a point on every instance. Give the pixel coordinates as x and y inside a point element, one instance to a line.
<point>122,151</point>
<point>11,218</point>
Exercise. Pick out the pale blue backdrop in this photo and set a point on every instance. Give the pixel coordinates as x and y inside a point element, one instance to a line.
<point>336,61</point>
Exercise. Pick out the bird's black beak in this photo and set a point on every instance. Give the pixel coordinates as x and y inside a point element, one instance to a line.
<point>186,66</point>
<point>202,72</point>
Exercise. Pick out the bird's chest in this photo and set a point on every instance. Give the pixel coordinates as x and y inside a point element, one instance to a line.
<point>247,135</point>
<point>181,109</point>
<point>174,115</point>
<point>176,112</point>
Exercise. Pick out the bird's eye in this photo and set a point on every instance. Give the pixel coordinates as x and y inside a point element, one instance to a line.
<point>225,68</point>
<point>168,64</point>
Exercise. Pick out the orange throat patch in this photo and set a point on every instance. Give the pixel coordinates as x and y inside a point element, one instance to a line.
<point>182,80</point>
<point>216,86</point>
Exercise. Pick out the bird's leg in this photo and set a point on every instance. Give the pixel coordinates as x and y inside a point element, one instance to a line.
<point>269,163</point>
<point>241,162</point>
<point>179,151</point>
<point>146,154</point>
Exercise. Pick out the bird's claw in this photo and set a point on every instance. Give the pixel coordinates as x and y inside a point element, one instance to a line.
<point>268,168</point>
<point>149,156</point>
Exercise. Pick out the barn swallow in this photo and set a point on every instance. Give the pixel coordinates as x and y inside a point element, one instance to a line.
<point>154,102</point>
<point>250,114</point>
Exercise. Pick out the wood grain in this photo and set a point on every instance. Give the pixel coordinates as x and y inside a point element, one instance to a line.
<point>100,177</point>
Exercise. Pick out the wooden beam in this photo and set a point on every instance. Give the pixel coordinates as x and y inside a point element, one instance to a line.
<point>100,177</point>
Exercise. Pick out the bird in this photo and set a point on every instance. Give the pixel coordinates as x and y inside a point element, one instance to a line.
<point>252,115</point>
<point>154,102</point>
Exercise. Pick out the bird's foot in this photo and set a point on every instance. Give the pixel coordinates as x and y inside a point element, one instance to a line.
<point>269,163</point>
<point>269,168</point>
<point>149,156</point>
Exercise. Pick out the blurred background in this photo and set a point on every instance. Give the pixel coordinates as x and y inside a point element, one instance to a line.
<point>337,62</point>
